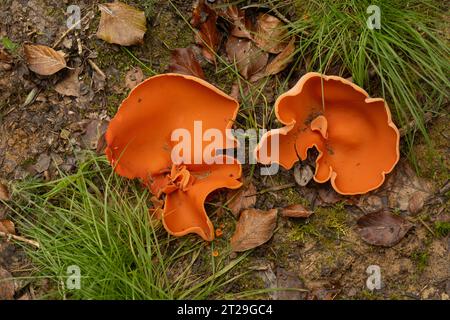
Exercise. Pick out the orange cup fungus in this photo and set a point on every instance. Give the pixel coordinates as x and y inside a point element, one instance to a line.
<point>139,145</point>
<point>357,141</point>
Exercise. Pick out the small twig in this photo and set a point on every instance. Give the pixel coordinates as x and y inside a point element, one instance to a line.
<point>96,68</point>
<point>426,226</point>
<point>19,238</point>
<point>275,188</point>
<point>75,25</point>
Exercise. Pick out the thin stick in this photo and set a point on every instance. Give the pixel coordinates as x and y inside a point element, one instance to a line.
<point>19,238</point>
<point>96,68</point>
<point>75,25</point>
<point>275,188</point>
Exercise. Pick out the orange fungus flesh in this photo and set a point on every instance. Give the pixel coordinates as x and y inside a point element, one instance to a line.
<point>146,129</point>
<point>357,141</point>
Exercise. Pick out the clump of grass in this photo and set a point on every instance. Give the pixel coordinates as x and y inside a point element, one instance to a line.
<point>406,61</point>
<point>99,222</point>
<point>442,228</point>
<point>421,259</point>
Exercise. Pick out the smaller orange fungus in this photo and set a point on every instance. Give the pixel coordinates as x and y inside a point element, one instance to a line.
<point>140,145</point>
<point>354,134</point>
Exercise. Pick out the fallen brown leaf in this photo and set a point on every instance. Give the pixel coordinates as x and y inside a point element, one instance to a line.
<point>7,226</point>
<point>383,228</point>
<point>43,60</point>
<point>133,77</point>
<point>254,228</point>
<point>329,196</point>
<point>243,198</point>
<point>4,56</point>
<point>282,60</point>
<point>289,280</point>
<point>295,211</point>
<point>121,24</point>
<point>250,60</point>
<point>416,202</point>
<point>208,37</point>
<point>183,61</point>
<point>270,33</point>
<point>70,85</point>
<point>370,203</point>
<point>241,26</point>
<point>6,285</point>
<point>4,193</point>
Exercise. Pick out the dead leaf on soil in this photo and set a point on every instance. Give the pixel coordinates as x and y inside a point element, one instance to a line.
<point>6,285</point>
<point>7,226</point>
<point>329,196</point>
<point>250,60</point>
<point>370,203</point>
<point>4,193</point>
<point>121,24</point>
<point>133,77</point>
<point>282,60</point>
<point>43,60</point>
<point>271,33</point>
<point>243,198</point>
<point>4,56</point>
<point>383,228</point>
<point>183,61</point>
<point>303,174</point>
<point>241,26</point>
<point>295,211</point>
<point>70,85</point>
<point>208,37</point>
<point>416,202</point>
<point>43,163</point>
<point>254,228</point>
<point>289,280</point>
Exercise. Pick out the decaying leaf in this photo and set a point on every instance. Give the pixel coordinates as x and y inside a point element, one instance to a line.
<point>70,85</point>
<point>383,228</point>
<point>208,37</point>
<point>7,226</point>
<point>6,285</point>
<point>329,196</point>
<point>295,211</point>
<point>4,56</point>
<point>288,280</point>
<point>370,203</point>
<point>241,26</point>
<point>243,198</point>
<point>250,60</point>
<point>43,60</point>
<point>121,24</point>
<point>183,61</point>
<point>133,77</point>
<point>4,193</point>
<point>416,202</point>
<point>254,228</point>
<point>282,60</point>
<point>303,174</point>
<point>271,34</point>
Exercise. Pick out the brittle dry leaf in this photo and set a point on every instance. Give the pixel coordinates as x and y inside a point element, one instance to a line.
<point>271,34</point>
<point>282,60</point>
<point>295,211</point>
<point>254,228</point>
<point>121,24</point>
<point>43,60</point>
<point>70,85</point>
<point>183,61</point>
<point>250,60</point>
<point>6,285</point>
<point>241,26</point>
<point>7,226</point>
<point>383,228</point>
<point>243,198</point>
<point>133,77</point>
<point>208,37</point>
<point>4,193</point>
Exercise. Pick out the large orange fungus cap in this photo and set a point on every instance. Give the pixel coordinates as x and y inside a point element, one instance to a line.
<point>140,142</point>
<point>354,134</point>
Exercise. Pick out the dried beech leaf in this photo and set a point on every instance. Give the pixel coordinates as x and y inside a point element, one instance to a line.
<point>295,211</point>
<point>121,24</point>
<point>43,60</point>
<point>282,60</point>
<point>208,37</point>
<point>70,85</point>
<point>383,228</point>
<point>271,34</point>
<point>243,198</point>
<point>133,77</point>
<point>250,60</point>
<point>183,61</point>
<point>241,26</point>
<point>7,287</point>
<point>7,226</point>
<point>254,228</point>
<point>4,193</point>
